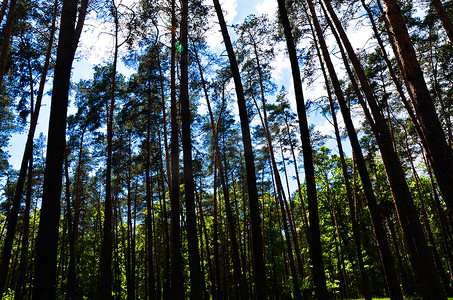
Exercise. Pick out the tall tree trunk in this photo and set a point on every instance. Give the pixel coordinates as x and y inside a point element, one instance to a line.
<point>77,192</point>
<point>215,237</point>
<point>438,149</point>
<point>21,280</point>
<point>291,217</point>
<point>166,235</point>
<point>196,277</point>
<point>338,243</point>
<point>129,256</point>
<point>71,287</point>
<point>26,219</point>
<point>151,281</point>
<point>80,22</point>
<point>280,195</point>
<point>44,284</point>
<point>315,236</point>
<point>427,278</point>
<point>296,171</point>
<point>255,219</point>
<point>105,260</point>
<point>204,231</point>
<point>177,283</point>
<point>445,112</point>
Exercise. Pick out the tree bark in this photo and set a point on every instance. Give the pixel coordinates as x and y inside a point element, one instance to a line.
<point>315,238</point>
<point>80,21</point>
<point>255,219</point>
<point>177,284</point>
<point>105,260</point>
<point>44,284</point>
<point>196,277</point>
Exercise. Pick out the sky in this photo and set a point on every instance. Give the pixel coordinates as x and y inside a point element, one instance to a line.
<point>96,47</point>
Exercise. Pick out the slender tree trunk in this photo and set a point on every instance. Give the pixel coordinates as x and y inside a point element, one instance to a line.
<point>204,230</point>
<point>105,260</point>
<point>71,286</point>
<point>164,123</point>
<point>165,237</point>
<point>77,191</point>
<point>196,277</point>
<point>129,256</point>
<point>80,22</point>
<point>280,196</point>
<point>393,75</point>
<point>21,280</point>
<point>44,284</point>
<point>296,171</point>
<point>258,259</point>
<point>291,217</point>
<point>438,92</point>
<point>315,239</point>
<point>26,219</point>
<point>177,284</point>
<point>215,237</point>
<point>151,282</point>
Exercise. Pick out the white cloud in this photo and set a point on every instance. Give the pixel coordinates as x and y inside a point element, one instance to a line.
<point>229,8</point>
<point>267,7</point>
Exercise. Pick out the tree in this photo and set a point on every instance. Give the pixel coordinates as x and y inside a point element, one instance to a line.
<point>196,278</point>
<point>259,267</point>
<point>315,241</point>
<point>47,240</point>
